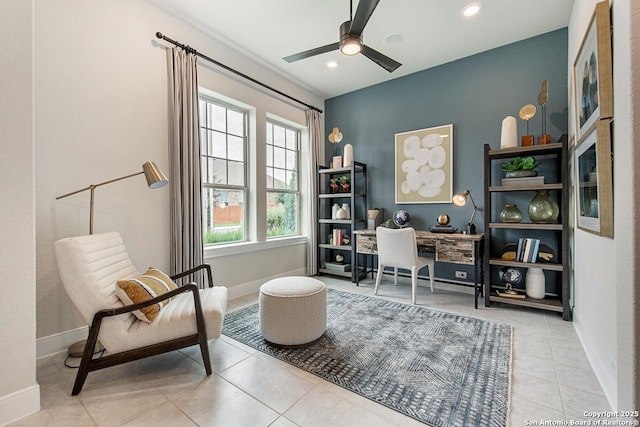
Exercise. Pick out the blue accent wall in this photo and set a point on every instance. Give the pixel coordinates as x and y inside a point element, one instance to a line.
<point>474,94</point>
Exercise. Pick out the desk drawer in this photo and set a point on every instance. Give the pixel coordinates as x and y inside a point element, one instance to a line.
<point>455,250</point>
<point>366,244</point>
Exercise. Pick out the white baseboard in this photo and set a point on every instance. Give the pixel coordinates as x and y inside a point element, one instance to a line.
<point>254,286</point>
<point>60,342</point>
<point>19,404</point>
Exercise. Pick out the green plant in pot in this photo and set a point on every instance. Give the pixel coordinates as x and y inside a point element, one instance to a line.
<point>333,185</point>
<point>520,167</point>
<point>345,183</point>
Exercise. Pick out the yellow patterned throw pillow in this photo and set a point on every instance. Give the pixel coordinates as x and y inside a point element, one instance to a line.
<point>143,288</point>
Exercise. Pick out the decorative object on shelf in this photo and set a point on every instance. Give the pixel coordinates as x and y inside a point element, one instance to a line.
<point>334,211</point>
<point>528,181</point>
<point>443,219</point>
<point>520,167</point>
<point>345,207</point>
<point>442,229</point>
<point>526,113</point>
<point>401,218</point>
<point>335,137</point>
<point>510,276</point>
<point>155,179</point>
<point>543,209</point>
<point>345,184</point>
<point>339,258</point>
<point>424,165</point>
<point>535,283</point>
<point>509,134</point>
<point>592,73</point>
<point>510,213</point>
<point>460,199</point>
<point>595,189</point>
<point>341,214</point>
<point>545,253</point>
<point>543,97</point>
<point>347,156</point>
<point>373,218</point>
<point>333,185</point>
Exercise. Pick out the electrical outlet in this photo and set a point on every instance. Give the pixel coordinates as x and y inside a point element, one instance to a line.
<point>461,274</point>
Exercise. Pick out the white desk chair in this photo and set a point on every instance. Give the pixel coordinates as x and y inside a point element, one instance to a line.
<point>397,248</point>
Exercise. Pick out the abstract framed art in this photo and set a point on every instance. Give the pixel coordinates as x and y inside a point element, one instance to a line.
<point>595,182</point>
<point>592,73</point>
<point>424,165</point>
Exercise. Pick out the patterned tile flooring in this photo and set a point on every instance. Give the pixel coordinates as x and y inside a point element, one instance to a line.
<point>551,380</point>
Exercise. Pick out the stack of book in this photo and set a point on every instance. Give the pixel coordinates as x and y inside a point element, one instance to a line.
<point>338,236</point>
<point>527,249</point>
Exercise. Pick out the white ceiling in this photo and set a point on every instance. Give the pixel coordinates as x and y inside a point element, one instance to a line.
<point>434,33</point>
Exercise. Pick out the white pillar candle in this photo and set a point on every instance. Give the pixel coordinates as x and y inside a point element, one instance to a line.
<point>348,155</point>
<point>509,135</point>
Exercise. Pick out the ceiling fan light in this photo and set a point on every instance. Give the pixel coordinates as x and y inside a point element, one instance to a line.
<point>351,46</point>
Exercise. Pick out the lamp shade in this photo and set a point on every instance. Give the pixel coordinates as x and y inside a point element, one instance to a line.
<point>155,177</point>
<point>460,199</point>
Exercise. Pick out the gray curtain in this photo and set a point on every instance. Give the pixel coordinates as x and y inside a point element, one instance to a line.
<point>184,159</point>
<point>315,150</point>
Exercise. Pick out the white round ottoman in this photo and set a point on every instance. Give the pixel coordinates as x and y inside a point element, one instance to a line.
<point>293,310</point>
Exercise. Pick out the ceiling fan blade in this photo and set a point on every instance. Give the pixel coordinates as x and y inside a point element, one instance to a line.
<point>363,13</point>
<point>382,60</point>
<point>312,52</point>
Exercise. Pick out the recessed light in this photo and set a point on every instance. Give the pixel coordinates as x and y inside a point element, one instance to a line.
<point>471,9</point>
<point>331,64</point>
<point>394,38</point>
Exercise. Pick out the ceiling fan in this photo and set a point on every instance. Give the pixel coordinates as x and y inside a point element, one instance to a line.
<point>351,39</point>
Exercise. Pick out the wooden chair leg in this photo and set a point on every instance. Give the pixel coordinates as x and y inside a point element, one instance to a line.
<point>204,349</point>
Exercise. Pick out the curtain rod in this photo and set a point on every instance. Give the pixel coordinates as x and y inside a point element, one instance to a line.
<point>195,52</point>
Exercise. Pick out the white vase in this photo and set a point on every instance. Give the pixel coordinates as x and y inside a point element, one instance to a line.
<point>341,214</point>
<point>346,208</point>
<point>535,283</point>
<point>509,135</point>
<point>348,156</point>
<point>334,211</point>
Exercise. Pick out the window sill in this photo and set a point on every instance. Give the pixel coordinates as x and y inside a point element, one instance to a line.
<point>248,247</point>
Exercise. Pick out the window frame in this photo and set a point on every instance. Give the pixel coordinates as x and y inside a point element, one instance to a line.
<point>244,189</point>
<point>298,154</point>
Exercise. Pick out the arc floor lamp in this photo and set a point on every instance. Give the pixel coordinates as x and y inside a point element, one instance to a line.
<point>155,179</point>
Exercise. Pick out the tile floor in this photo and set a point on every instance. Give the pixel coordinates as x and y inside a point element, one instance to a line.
<point>551,381</point>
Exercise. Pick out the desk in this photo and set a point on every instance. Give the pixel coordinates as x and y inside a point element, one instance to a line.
<point>454,248</point>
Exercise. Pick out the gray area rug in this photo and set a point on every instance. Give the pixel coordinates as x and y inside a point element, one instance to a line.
<point>438,368</point>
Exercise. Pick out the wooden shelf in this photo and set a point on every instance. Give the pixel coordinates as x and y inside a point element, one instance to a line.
<point>556,160</point>
<point>525,226</point>
<point>542,265</point>
<point>338,195</point>
<point>338,247</point>
<point>526,151</point>
<point>557,186</point>
<point>347,170</point>
<point>548,303</point>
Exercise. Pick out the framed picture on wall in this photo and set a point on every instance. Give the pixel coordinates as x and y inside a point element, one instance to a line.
<point>595,183</point>
<point>592,73</point>
<point>424,165</point>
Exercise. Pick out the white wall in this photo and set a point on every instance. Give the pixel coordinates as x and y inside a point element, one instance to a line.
<point>605,272</point>
<point>19,391</point>
<point>101,111</point>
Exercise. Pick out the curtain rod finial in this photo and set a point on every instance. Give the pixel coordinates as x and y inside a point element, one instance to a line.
<point>159,35</point>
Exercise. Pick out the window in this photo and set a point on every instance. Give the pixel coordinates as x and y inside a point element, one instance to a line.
<point>223,136</point>
<point>283,193</point>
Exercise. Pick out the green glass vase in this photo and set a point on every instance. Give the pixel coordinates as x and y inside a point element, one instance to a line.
<point>543,209</point>
<point>510,213</point>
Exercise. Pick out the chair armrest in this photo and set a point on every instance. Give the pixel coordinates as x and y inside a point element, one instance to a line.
<point>193,270</point>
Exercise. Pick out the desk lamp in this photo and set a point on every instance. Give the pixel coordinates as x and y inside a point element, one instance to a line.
<point>155,179</point>
<point>460,199</point>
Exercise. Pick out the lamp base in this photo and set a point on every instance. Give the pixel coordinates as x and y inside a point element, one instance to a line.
<point>471,229</point>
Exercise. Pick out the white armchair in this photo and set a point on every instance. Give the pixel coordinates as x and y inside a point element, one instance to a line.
<point>90,267</point>
<point>397,248</point>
